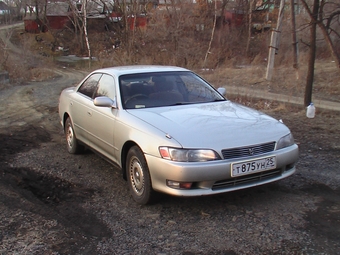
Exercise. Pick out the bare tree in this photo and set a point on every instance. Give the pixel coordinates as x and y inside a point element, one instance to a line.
<point>79,20</point>
<point>76,19</point>
<point>319,17</point>
<point>325,18</point>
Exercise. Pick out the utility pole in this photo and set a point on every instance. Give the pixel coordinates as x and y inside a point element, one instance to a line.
<point>273,42</point>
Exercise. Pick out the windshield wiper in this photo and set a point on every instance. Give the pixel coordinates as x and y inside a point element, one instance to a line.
<point>196,102</point>
<point>185,103</point>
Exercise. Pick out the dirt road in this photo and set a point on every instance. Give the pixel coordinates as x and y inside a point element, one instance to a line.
<point>55,203</point>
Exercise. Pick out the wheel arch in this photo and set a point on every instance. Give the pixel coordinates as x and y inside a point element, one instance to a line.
<point>125,149</point>
<point>65,116</point>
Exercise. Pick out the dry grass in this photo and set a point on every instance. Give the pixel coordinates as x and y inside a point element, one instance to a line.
<point>226,64</point>
<point>284,81</point>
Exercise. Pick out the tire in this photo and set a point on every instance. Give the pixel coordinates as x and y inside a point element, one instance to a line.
<point>72,144</point>
<point>138,177</point>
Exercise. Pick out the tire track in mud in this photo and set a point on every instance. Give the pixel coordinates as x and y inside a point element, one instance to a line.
<point>34,103</point>
<point>5,35</point>
<point>44,205</point>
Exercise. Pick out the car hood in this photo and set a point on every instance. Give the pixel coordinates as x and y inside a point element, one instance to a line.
<point>213,125</point>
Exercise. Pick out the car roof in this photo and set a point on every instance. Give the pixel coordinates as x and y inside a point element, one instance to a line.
<point>121,70</point>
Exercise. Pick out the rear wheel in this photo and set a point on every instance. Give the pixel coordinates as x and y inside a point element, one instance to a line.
<point>72,144</point>
<point>138,177</point>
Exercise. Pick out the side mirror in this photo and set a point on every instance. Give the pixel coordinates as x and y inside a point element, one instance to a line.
<point>104,102</point>
<point>222,91</point>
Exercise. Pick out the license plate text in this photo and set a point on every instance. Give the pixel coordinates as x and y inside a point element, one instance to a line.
<point>253,166</point>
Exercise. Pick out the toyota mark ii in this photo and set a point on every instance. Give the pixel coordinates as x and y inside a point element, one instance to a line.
<point>170,131</point>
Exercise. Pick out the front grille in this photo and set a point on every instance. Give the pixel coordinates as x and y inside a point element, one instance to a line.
<point>247,179</point>
<point>248,151</point>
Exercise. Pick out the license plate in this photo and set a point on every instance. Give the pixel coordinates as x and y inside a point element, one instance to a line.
<point>253,166</point>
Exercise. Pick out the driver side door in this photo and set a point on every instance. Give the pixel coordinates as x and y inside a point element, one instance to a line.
<point>101,120</point>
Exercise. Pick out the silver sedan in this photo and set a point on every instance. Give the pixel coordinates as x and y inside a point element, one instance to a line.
<point>170,131</point>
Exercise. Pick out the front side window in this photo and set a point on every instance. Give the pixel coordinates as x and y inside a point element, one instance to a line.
<point>106,87</point>
<point>89,86</point>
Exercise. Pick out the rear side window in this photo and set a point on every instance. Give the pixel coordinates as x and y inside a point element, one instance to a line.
<point>89,86</point>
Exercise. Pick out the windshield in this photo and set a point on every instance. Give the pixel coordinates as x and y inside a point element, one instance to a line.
<point>164,89</point>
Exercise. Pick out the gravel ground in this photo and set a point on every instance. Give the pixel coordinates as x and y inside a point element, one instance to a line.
<point>52,202</point>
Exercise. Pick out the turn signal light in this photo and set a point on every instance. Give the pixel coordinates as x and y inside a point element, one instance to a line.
<point>179,185</point>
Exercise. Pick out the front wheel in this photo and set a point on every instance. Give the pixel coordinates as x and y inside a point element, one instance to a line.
<point>73,145</point>
<point>138,177</point>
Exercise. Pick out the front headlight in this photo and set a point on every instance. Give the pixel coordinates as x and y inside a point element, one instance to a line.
<point>188,155</point>
<point>285,141</point>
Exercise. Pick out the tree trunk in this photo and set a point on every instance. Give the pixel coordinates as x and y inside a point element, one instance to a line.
<point>127,40</point>
<point>85,32</point>
<point>295,43</point>
<point>211,39</point>
<point>312,52</point>
<point>37,10</point>
<point>250,26</point>
<point>221,22</point>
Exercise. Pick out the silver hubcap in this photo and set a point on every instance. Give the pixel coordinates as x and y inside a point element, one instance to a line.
<point>69,136</point>
<point>136,176</point>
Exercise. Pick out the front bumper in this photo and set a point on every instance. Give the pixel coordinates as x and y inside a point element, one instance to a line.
<point>214,177</point>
